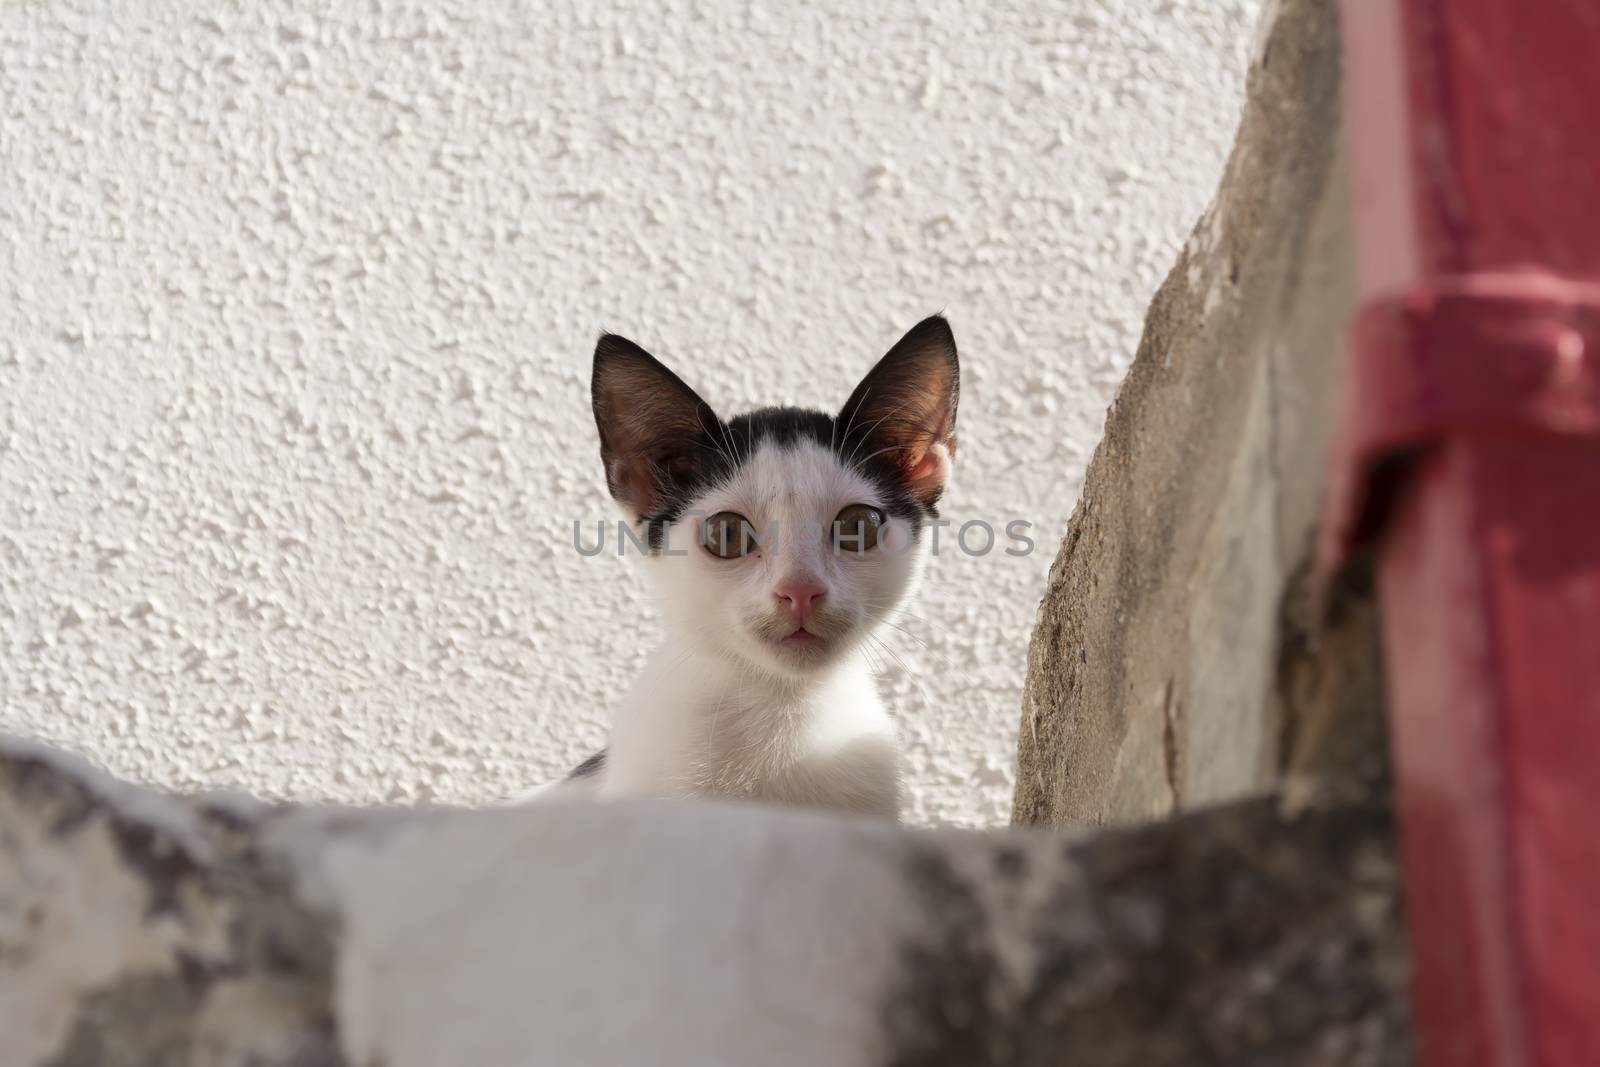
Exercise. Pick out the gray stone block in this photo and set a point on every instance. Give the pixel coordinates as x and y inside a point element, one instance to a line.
<point>137,929</point>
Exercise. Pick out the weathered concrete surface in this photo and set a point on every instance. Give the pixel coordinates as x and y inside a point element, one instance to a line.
<point>1170,647</point>
<point>137,929</point>
<point>140,930</point>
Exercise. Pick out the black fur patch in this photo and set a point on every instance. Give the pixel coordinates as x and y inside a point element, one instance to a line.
<point>781,426</point>
<point>589,767</point>
<point>730,444</point>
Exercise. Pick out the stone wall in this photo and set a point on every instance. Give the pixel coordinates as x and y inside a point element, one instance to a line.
<point>138,929</point>
<point>1177,645</point>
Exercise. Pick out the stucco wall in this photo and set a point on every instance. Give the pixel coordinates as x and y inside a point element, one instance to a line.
<point>296,308</point>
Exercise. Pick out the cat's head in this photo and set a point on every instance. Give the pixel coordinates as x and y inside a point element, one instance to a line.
<point>782,537</point>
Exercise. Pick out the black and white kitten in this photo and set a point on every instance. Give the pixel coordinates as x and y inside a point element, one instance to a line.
<point>779,542</point>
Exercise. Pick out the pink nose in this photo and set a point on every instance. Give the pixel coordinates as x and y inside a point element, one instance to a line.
<point>799,595</point>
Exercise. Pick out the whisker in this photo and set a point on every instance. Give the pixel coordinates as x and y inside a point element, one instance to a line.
<point>867,435</point>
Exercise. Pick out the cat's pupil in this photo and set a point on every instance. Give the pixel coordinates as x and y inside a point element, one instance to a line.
<point>729,535</point>
<point>855,529</point>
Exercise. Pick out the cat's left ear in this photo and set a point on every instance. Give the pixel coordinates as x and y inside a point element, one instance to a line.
<point>655,431</point>
<point>905,409</point>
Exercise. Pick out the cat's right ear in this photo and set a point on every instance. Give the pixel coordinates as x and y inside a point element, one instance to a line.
<point>905,409</point>
<point>654,429</point>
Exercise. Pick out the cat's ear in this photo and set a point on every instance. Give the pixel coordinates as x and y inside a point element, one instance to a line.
<point>654,429</point>
<point>905,409</point>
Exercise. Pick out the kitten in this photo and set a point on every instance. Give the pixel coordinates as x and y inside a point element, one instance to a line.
<point>779,542</point>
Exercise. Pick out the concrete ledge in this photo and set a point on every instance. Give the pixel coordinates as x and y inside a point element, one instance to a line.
<point>1174,636</point>
<point>143,929</point>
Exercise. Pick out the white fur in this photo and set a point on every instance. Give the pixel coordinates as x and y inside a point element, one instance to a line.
<point>721,709</point>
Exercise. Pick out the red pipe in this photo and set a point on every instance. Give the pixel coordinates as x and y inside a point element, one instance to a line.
<point>1468,458</point>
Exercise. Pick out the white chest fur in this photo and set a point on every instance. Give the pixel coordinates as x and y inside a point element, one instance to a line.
<point>695,725</point>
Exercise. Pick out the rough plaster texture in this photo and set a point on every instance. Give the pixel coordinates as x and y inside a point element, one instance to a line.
<point>141,930</point>
<point>296,304</point>
<point>1179,658</point>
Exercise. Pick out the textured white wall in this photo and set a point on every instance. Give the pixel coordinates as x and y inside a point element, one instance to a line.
<point>296,310</point>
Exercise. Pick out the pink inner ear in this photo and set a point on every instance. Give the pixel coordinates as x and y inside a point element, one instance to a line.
<point>926,477</point>
<point>635,486</point>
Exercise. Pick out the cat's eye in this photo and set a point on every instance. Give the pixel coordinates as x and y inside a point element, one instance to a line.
<point>728,535</point>
<point>855,529</point>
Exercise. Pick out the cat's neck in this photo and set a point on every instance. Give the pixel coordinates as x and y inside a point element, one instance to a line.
<point>698,721</point>
<point>725,678</point>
